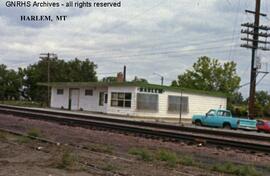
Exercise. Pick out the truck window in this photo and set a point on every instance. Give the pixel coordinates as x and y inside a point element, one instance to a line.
<point>224,113</point>
<point>211,113</point>
<point>220,113</point>
<point>227,114</point>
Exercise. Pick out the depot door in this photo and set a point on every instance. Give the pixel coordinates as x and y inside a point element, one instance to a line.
<point>74,99</point>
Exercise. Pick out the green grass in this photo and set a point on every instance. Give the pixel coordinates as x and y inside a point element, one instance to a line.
<point>239,170</point>
<point>23,103</point>
<point>101,148</point>
<point>34,132</point>
<point>141,153</point>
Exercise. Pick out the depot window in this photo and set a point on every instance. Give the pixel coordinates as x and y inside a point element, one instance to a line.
<point>88,92</point>
<point>147,102</point>
<point>60,91</point>
<point>177,103</point>
<point>121,99</point>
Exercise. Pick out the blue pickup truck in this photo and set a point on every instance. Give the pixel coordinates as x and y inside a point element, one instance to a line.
<point>223,119</point>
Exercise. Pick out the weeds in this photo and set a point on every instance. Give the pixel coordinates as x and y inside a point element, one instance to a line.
<point>3,136</point>
<point>142,154</point>
<point>67,160</point>
<point>169,157</point>
<point>34,132</point>
<point>230,168</point>
<point>187,161</point>
<point>23,139</point>
<point>172,159</point>
<point>109,168</point>
<point>101,148</point>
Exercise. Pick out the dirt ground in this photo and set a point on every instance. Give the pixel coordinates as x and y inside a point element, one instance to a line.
<point>94,152</point>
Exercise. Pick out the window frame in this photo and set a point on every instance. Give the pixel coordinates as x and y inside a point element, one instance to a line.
<point>117,97</point>
<point>176,110</point>
<point>155,109</point>
<point>59,91</point>
<point>90,93</point>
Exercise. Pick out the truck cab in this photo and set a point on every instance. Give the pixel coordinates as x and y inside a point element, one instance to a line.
<point>216,118</point>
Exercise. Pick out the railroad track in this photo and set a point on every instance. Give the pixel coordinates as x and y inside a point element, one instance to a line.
<point>222,138</point>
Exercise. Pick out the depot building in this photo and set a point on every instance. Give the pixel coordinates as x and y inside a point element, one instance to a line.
<point>133,99</point>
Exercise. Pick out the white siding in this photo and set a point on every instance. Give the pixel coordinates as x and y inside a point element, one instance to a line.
<point>58,101</point>
<point>119,110</point>
<point>198,104</point>
<point>91,103</point>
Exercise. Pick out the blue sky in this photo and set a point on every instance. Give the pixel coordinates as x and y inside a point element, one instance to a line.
<point>162,36</point>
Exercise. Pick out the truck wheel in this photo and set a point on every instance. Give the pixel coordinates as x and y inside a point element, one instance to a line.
<point>227,126</point>
<point>198,123</point>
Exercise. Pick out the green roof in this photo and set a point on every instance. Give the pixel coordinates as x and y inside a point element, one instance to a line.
<point>132,84</point>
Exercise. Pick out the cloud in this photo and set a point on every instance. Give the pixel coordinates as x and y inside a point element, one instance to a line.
<point>150,36</point>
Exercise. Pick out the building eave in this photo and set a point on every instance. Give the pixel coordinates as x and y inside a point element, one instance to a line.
<point>133,84</point>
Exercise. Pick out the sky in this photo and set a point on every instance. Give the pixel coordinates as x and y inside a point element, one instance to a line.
<point>152,38</point>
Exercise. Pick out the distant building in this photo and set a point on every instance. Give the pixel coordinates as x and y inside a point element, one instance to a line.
<point>134,99</point>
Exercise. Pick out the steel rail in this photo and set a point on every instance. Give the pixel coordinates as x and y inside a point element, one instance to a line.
<point>153,132</point>
<point>209,131</point>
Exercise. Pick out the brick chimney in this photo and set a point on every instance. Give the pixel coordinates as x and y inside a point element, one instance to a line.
<point>120,77</point>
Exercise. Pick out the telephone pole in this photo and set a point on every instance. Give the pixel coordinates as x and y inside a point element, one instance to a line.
<point>161,77</point>
<point>48,56</point>
<point>254,40</point>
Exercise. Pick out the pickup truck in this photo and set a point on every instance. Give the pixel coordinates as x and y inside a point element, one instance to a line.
<point>223,119</point>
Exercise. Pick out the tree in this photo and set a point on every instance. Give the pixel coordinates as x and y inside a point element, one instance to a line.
<point>109,79</point>
<point>60,71</point>
<point>210,75</point>
<point>262,104</point>
<point>236,98</point>
<point>81,71</point>
<point>141,80</point>
<point>262,98</point>
<point>10,83</point>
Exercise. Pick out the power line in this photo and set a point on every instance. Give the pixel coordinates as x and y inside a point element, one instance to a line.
<point>148,52</point>
<point>162,52</point>
<point>169,44</point>
<point>234,27</point>
<point>163,58</point>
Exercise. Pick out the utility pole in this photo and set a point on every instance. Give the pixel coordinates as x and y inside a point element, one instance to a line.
<point>253,41</point>
<point>48,56</point>
<point>161,77</point>
<point>125,73</point>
